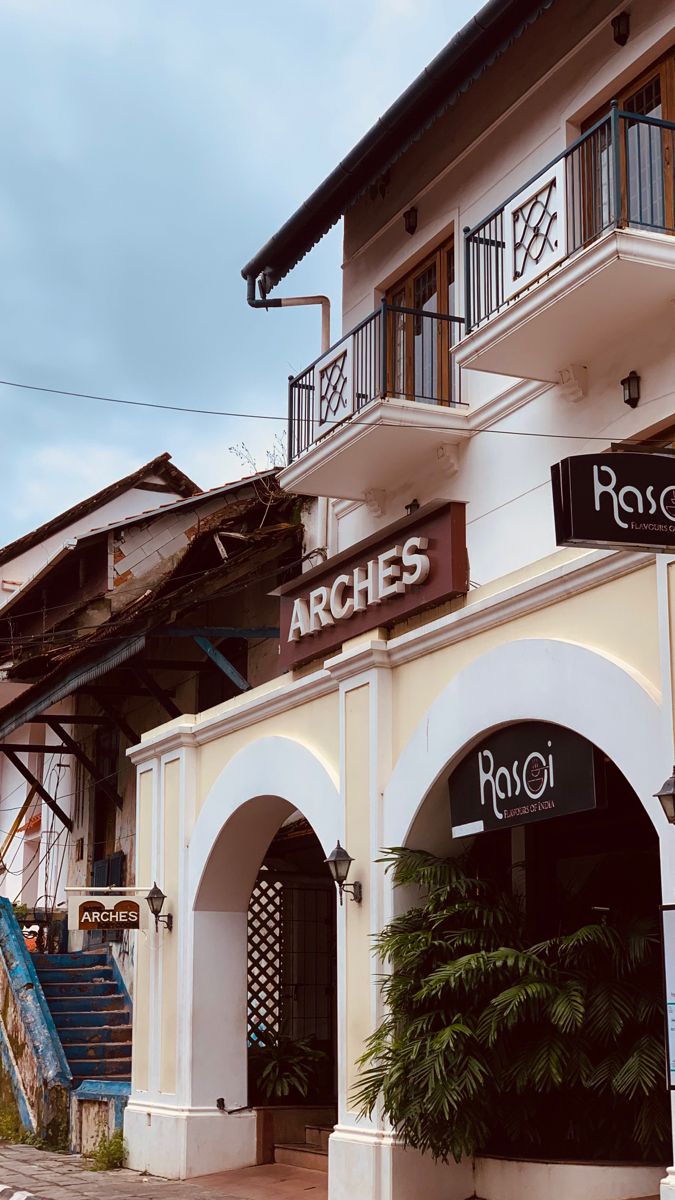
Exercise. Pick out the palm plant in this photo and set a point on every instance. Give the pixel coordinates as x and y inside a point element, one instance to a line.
<point>489,1043</point>
<point>283,1065</point>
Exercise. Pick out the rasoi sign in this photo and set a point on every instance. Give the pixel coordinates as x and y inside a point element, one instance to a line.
<point>418,561</point>
<point>526,772</point>
<point>616,499</point>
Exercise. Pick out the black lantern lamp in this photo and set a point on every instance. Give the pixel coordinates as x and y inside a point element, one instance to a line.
<point>621,28</point>
<point>631,389</point>
<point>155,899</point>
<point>666,796</point>
<point>338,863</point>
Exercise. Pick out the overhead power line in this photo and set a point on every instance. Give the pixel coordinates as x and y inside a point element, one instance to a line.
<point>257,416</point>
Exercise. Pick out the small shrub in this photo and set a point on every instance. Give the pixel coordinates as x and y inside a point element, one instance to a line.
<point>11,1130</point>
<point>109,1154</point>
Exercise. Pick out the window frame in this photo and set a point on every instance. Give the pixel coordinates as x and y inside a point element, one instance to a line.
<point>442,257</point>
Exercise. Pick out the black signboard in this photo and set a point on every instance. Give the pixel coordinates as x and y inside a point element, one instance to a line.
<point>610,500</point>
<point>525,772</point>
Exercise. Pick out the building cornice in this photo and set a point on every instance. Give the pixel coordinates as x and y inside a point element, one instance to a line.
<point>588,571</point>
<point>174,737</point>
<point>571,579</point>
<point>364,657</point>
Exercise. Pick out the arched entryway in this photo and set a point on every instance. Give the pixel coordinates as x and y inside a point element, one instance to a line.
<point>537,926</point>
<point>584,866</point>
<point>273,814</point>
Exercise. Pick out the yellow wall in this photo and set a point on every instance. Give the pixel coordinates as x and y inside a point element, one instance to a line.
<point>142,983</point>
<point>315,725</point>
<point>170,854</point>
<point>617,619</point>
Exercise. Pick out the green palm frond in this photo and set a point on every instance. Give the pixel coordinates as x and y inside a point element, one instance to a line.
<point>489,1042</point>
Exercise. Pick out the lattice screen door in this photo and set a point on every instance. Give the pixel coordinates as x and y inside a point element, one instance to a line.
<point>265,966</point>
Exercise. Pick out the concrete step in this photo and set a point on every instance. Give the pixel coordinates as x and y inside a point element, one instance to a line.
<point>77,958</point>
<point>100,1068</point>
<point>106,988</point>
<point>291,1154</point>
<point>318,1135</point>
<point>82,975</point>
<point>85,1004</point>
<point>99,1033</point>
<point>94,1051</point>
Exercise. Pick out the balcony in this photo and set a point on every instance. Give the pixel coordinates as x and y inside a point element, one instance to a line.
<point>370,413</point>
<point>571,263</point>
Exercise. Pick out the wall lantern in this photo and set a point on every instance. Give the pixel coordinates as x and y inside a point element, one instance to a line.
<point>631,389</point>
<point>155,899</point>
<point>666,796</point>
<point>621,28</point>
<point>338,863</point>
<point>410,220</point>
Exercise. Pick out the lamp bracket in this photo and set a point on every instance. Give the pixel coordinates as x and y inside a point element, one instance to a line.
<point>354,890</point>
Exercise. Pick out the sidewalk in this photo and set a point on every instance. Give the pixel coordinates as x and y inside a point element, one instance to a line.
<point>47,1176</point>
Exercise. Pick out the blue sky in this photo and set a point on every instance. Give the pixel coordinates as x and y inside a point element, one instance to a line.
<point>149,148</point>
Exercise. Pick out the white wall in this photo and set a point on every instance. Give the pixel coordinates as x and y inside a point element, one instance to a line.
<point>503,471</point>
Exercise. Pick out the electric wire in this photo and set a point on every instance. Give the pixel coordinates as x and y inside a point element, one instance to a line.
<point>256,416</point>
<point>20,640</point>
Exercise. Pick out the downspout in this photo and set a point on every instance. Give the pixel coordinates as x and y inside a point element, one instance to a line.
<point>289,302</point>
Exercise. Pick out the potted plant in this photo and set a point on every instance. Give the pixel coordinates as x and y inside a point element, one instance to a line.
<point>282,1066</point>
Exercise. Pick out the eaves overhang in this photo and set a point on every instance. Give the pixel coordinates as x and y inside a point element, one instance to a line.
<point>484,38</point>
<point>42,695</point>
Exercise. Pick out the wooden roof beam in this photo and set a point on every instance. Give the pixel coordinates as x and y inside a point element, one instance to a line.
<point>35,783</point>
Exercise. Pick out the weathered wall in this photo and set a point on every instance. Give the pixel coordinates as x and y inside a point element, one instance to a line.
<point>34,1067</point>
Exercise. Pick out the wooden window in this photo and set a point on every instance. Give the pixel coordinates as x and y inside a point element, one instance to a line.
<point>420,366</point>
<point>647,192</point>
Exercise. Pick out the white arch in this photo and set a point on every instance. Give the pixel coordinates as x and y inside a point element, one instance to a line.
<point>541,680</point>
<point>260,786</point>
<point>281,769</point>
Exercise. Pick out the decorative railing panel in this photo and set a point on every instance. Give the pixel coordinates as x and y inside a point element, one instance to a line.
<point>619,173</point>
<point>395,352</point>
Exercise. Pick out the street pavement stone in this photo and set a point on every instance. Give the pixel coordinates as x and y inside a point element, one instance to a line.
<point>48,1176</point>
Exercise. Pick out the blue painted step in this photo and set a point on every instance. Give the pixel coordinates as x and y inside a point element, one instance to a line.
<point>76,959</point>
<point>97,1068</point>
<point>79,1034</point>
<point>96,1050</point>
<point>76,975</point>
<point>97,1019</point>
<point>80,989</point>
<point>83,1003</point>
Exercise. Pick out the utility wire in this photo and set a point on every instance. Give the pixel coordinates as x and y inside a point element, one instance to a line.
<point>309,420</point>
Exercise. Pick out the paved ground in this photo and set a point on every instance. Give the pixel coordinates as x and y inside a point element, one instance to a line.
<point>36,1173</point>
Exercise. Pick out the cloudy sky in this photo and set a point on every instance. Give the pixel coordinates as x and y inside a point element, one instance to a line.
<point>149,147</point>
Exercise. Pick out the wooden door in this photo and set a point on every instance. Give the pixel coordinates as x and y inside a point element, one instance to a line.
<point>646,157</point>
<point>419,361</point>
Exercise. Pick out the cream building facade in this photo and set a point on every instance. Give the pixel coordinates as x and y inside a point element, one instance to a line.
<point>363,740</point>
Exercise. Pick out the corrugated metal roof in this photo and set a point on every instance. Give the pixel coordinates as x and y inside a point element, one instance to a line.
<point>161,465</point>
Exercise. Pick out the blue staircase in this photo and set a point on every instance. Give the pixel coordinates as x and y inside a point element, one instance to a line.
<point>92,1013</point>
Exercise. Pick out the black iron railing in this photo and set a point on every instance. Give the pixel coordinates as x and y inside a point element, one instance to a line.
<point>619,173</point>
<point>395,352</point>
